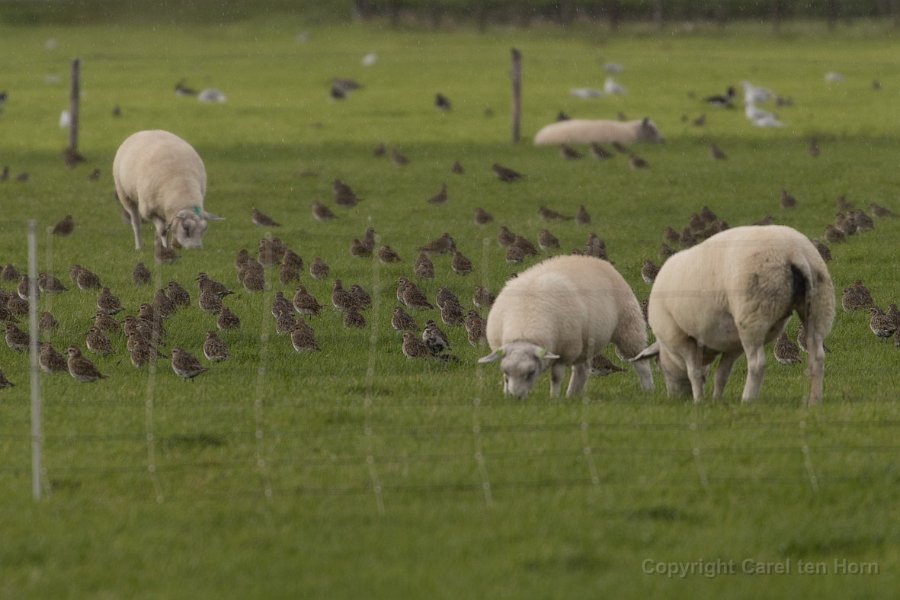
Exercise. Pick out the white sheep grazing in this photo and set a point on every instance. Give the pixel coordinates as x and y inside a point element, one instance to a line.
<point>160,178</point>
<point>600,131</point>
<point>562,312</point>
<point>732,294</point>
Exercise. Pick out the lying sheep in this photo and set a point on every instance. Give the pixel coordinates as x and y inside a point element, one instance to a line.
<point>562,312</point>
<point>160,178</point>
<point>583,131</point>
<point>732,294</point>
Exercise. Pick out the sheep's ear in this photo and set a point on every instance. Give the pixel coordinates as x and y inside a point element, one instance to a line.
<point>495,355</point>
<point>648,352</point>
<point>543,354</point>
<point>211,217</point>
<point>183,213</point>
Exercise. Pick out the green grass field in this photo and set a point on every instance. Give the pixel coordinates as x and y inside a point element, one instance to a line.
<point>354,472</point>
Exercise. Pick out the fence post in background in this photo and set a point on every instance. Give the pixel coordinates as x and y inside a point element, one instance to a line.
<point>37,436</point>
<point>71,154</point>
<point>516,75</point>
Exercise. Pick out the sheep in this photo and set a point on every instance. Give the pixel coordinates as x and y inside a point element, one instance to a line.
<point>160,178</point>
<point>732,294</point>
<point>562,312</point>
<point>584,131</point>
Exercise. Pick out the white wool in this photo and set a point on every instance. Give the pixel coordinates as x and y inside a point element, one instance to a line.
<point>160,178</point>
<point>568,308</point>
<point>733,293</point>
<point>601,131</point>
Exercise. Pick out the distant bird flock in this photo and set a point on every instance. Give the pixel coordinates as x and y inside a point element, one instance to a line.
<point>560,312</point>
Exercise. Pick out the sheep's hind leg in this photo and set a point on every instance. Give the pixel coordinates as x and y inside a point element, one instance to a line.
<point>756,367</point>
<point>557,371</point>
<point>132,210</point>
<point>693,362</point>
<point>578,379</point>
<point>723,372</point>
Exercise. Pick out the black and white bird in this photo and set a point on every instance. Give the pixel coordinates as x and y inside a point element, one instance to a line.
<point>725,100</point>
<point>435,338</point>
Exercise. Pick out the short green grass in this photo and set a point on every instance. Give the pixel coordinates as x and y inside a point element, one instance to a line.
<point>356,473</point>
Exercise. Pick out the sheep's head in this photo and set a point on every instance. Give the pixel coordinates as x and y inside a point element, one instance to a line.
<point>672,367</point>
<point>189,225</point>
<point>647,132</point>
<point>521,364</point>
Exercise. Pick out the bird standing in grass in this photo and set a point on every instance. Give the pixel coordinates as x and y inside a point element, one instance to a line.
<point>482,297</point>
<point>227,319</point>
<point>882,324</point>
<point>402,320</point>
<point>305,303</point>
<point>435,339</point>
<point>321,213</point>
<point>424,268</point>
<point>785,350</point>
<point>716,153</point>
<point>475,328</point>
<point>412,296</point>
<point>47,322</point>
<point>343,194</point>
<point>602,366</point>
<point>64,227</point>
<point>457,168</point>
<point>881,211</point>
<point>80,368</point>
<point>833,235</point>
<point>263,220</point>
<point>482,217</point>
<point>460,264</point>
<point>442,103</point>
<point>140,275</point>
<point>787,200</point>
<point>319,269</point>
<point>214,348</point>
<point>398,159</point>
<point>97,342</point>
<point>49,284</point>
<point>178,294</point>
<point>857,297</point>
<point>50,360</point>
<point>303,338</point>
<point>547,241</point>
<point>440,197</point>
<point>186,365</point>
<point>353,318</point>
<point>582,217</point>
<point>388,255</point>
<point>649,271</point>
<point>551,215</point>
<point>16,339</point>
<point>505,173</point>
<point>414,347</point>
<point>340,298</point>
<point>210,302</point>
<point>636,162</point>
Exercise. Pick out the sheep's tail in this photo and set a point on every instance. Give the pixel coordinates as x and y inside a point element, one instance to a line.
<point>814,302</point>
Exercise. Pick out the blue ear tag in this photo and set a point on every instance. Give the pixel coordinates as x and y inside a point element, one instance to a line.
<point>197,210</point>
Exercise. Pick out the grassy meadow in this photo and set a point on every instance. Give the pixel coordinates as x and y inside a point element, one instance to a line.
<point>354,472</point>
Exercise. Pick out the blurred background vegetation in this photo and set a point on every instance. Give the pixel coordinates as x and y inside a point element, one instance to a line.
<point>440,13</point>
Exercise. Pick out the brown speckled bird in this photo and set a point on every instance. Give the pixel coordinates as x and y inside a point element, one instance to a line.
<point>582,217</point>
<point>547,241</point>
<point>857,297</point>
<point>253,280</point>
<point>16,306</point>
<point>443,296</point>
<point>482,297</point>
<point>505,237</point>
<point>261,219</point>
<point>457,168</point>
<point>403,321</point>
<point>359,250</point>
<point>284,323</point>
<point>440,197</point>
<point>16,339</point>
<point>50,360</point>
<point>4,382</point>
<point>303,338</point>
<point>80,368</point>
<point>882,324</point>
<point>84,278</point>
<point>505,173</point>
<point>163,255</point>
<point>281,305</point>
<point>106,323</point>
<point>787,200</point>
<point>482,217</point>
<point>379,150</point>
<point>424,268</point>
<point>833,235</point>
<point>108,302</point>
<point>206,284</point>
<point>48,284</point>
<point>353,318</point>
<point>343,194</point>
<point>64,227</point>
<point>526,245</point>
<point>514,255</point>
<point>340,298</point>
<point>440,245</point>
<point>322,213</point>
<point>185,365</point>
<point>786,351</point>
<point>411,296</point>
<point>288,274</point>
<point>398,159</point>
<point>649,271</point>
<point>388,255</point>
<point>9,273</point>
<point>636,162</point>
<point>178,294</point>
<point>413,347</point>
<point>823,250</point>
<point>140,275</point>
<point>452,314</point>
<point>227,319</point>
<point>305,303</point>
<point>460,264</point>
<point>361,298</point>
<point>475,328</point>
<point>602,367</point>
<point>716,153</point>
<point>880,211</point>
<point>47,322</point>
<point>210,302</point>
<point>551,215</point>
<point>97,342</point>
<point>318,269</point>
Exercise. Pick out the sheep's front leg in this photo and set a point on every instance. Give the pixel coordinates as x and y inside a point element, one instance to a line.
<point>132,210</point>
<point>161,232</point>
<point>578,379</point>
<point>756,366</point>
<point>556,376</point>
<point>723,372</point>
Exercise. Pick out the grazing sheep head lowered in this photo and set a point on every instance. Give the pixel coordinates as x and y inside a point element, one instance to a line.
<point>521,364</point>
<point>189,225</point>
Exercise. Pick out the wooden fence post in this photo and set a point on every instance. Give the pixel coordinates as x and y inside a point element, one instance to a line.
<point>516,75</point>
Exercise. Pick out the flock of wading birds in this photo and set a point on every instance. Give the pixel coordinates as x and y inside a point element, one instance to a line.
<point>145,331</point>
